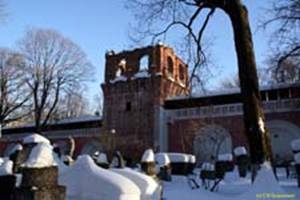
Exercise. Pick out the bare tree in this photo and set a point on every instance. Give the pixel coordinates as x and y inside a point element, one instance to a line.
<point>54,66</point>
<point>285,17</point>
<point>98,103</point>
<point>72,105</point>
<point>193,16</point>
<point>13,93</point>
<point>2,10</point>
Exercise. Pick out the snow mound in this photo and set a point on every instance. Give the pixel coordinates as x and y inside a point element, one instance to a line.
<point>265,183</point>
<point>141,74</point>
<point>150,189</point>
<point>208,166</point>
<point>178,157</point>
<point>238,151</point>
<point>295,144</point>
<point>40,156</point>
<point>297,158</point>
<point>148,156</point>
<point>225,157</point>
<point>85,180</point>
<point>35,138</point>
<point>162,159</point>
<point>102,158</point>
<point>6,167</point>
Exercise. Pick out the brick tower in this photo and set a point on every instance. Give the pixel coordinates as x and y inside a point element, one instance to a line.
<point>136,84</point>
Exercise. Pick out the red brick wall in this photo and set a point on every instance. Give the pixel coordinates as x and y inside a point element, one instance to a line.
<point>185,130</point>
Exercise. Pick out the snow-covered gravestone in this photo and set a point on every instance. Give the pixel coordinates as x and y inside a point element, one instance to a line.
<point>242,160</point>
<point>84,180</point>
<point>179,163</point>
<point>148,162</point>
<point>7,179</point>
<point>39,170</point>
<point>224,164</point>
<point>102,161</point>
<point>164,164</point>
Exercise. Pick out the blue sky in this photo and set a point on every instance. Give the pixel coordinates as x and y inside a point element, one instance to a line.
<point>97,26</point>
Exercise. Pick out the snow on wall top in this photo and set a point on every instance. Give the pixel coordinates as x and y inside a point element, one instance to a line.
<point>142,74</point>
<point>118,79</point>
<point>35,138</point>
<point>241,150</point>
<point>85,180</point>
<point>150,189</point>
<point>162,159</point>
<point>148,156</point>
<point>211,93</point>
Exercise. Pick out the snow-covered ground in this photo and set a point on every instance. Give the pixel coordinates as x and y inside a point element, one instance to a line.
<point>234,188</point>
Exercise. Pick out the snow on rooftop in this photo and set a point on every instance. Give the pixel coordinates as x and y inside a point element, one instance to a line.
<point>6,167</point>
<point>229,91</point>
<point>142,74</point>
<point>225,157</point>
<point>148,156</point>
<point>40,156</point>
<point>162,159</point>
<point>149,188</point>
<point>118,79</point>
<point>241,150</point>
<point>85,180</point>
<point>35,138</point>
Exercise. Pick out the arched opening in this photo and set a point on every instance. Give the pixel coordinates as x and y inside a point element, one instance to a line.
<point>119,72</point>
<point>170,65</point>
<point>210,141</point>
<point>282,133</point>
<point>144,63</point>
<point>91,148</point>
<point>181,72</point>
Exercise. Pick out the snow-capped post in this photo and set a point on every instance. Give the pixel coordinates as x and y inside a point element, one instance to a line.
<point>7,179</point>
<point>102,161</point>
<point>163,162</point>
<point>295,144</point>
<point>242,160</point>
<point>148,163</point>
<point>224,164</point>
<point>39,171</point>
<point>191,164</point>
<point>207,174</point>
<point>179,163</point>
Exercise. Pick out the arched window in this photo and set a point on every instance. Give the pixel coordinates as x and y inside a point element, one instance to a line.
<point>144,63</point>
<point>119,72</point>
<point>170,65</point>
<point>181,72</point>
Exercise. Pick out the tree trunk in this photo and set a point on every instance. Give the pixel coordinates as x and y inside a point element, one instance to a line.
<point>256,132</point>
